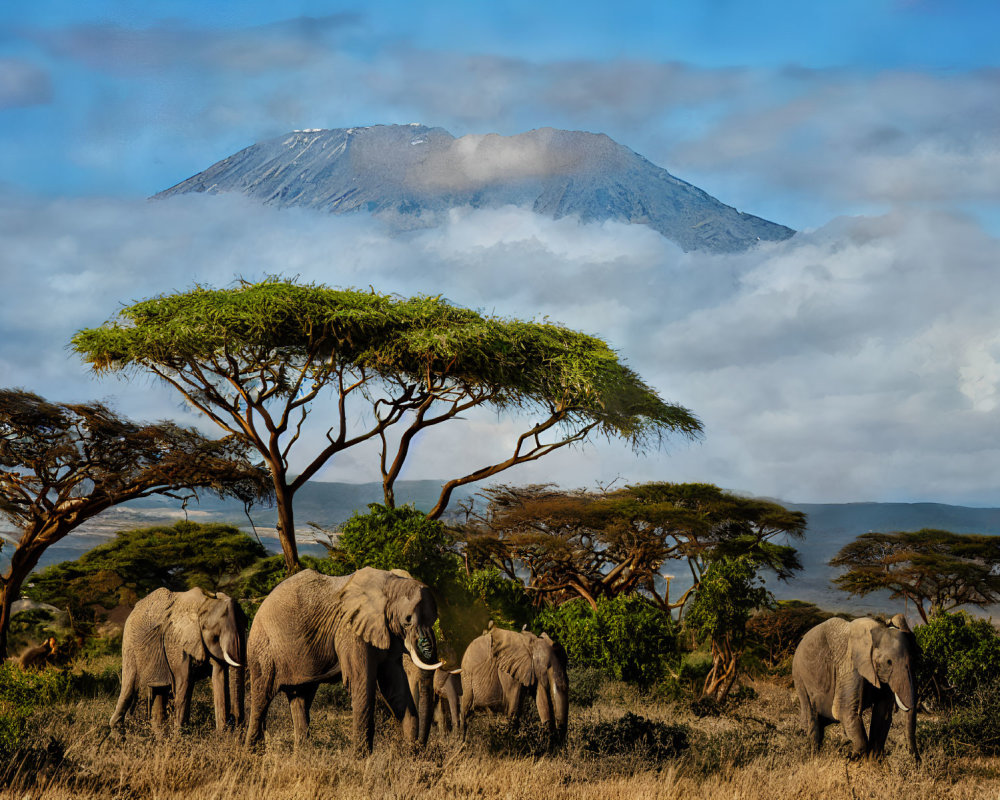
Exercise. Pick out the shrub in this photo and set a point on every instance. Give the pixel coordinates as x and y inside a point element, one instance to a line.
<point>974,728</point>
<point>957,652</point>
<point>628,638</point>
<point>656,741</point>
<point>519,739</point>
<point>584,685</point>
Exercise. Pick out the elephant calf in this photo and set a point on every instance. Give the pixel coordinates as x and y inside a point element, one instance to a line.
<point>447,689</point>
<point>842,668</point>
<point>500,665</point>
<point>173,638</point>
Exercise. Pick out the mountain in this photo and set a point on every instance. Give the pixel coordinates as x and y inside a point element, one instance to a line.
<point>411,175</point>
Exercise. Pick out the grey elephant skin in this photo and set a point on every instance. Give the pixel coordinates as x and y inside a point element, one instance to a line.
<point>313,628</point>
<point>842,668</point>
<point>447,693</point>
<point>170,640</point>
<point>500,666</point>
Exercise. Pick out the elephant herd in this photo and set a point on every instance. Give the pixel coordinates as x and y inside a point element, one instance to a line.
<point>373,629</point>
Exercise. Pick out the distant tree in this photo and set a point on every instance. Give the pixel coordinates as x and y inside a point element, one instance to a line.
<point>936,570</point>
<point>594,544</point>
<point>779,629</point>
<point>254,358</point>
<point>62,464</point>
<point>136,562</point>
<point>726,598</point>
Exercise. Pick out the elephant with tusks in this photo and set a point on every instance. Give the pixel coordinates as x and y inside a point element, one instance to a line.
<point>501,665</point>
<point>171,639</point>
<point>314,628</point>
<point>842,668</point>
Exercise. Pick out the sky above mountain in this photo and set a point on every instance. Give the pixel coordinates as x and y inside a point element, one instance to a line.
<point>859,360</point>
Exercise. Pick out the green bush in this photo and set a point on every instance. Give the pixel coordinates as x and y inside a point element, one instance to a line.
<point>655,741</point>
<point>20,694</point>
<point>957,653</point>
<point>584,685</point>
<point>974,727</point>
<point>628,638</point>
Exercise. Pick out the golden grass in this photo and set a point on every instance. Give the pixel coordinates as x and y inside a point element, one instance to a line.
<point>754,752</point>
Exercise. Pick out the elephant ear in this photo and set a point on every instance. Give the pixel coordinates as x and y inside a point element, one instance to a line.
<point>362,606</point>
<point>861,647</point>
<point>185,622</point>
<point>512,654</point>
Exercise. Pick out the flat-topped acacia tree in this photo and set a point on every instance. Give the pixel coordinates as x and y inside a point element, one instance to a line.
<point>253,358</point>
<point>61,464</point>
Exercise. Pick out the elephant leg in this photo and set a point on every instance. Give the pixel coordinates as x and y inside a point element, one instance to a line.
<point>300,700</point>
<point>811,722</point>
<point>220,695</point>
<point>183,690</point>
<point>878,731</point>
<point>261,694</point>
<point>400,692</point>
<point>854,727</point>
<point>158,708</point>
<point>512,701</point>
<point>362,687</point>
<point>127,697</point>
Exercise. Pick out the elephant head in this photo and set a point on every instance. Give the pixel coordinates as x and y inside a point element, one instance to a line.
<point>222,627</point>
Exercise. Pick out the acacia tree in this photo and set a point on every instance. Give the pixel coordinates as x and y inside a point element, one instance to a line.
<point>594,544</point>
<point>936,570</point>
<point>61,464</point>
<point>254,358</point>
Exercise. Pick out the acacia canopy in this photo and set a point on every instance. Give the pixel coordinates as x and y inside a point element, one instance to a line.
<point>254,357</point>
<point>607,543</point>
<point>936,570</point>
<point>61,464</point>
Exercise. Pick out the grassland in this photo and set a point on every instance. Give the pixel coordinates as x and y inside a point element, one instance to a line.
<point>753,751</point>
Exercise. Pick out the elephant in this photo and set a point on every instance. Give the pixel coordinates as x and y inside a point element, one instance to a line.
<point>499,665</point>
<point>842,668</point>
<point>170,640</point>
<point>447,693</point>
<point>312,628</point>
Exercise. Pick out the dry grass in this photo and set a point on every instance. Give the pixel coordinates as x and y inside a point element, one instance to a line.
<point>752,753</point>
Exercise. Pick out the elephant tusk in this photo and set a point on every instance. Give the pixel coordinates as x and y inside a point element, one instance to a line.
<point>455,671</point>
<point>229,661</point>
<point>899,703</point>
<point>423,664</point>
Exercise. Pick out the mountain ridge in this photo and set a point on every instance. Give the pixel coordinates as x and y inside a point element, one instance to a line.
<point>412,174</point>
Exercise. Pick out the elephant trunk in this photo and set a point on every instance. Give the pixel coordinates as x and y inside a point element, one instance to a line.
<point>425,708</point>
<point>905,691</point>
<point>560,706</point>
<point>422,648</point>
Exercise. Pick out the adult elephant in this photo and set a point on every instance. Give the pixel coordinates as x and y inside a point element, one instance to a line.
<point>842,668</point>
<point>170,640</point>
<point>499,666</point>
<point>313,628</point>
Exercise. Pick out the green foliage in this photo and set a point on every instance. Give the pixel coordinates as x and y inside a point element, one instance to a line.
<point>627,637</point>
<point>632,734</point>
<point>137,562</point>
<point>397,538</point>
<point>936,570</point>
<point>20,694</point>
<point>727,596</point>
<point>973,728</point>
<point>959,655</point>
<point>505,600</point>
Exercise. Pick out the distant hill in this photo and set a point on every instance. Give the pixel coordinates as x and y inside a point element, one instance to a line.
<point>412,175</point>
<point>831,526</point>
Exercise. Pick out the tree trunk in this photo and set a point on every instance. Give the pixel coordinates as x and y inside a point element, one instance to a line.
<point>22,562</point>
<point>286,526</point>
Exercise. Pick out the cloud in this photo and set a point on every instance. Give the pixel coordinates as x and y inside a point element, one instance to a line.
<point>856,361</point>
<point>23,84</point>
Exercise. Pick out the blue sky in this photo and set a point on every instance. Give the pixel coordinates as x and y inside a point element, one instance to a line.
<point>861,361</point>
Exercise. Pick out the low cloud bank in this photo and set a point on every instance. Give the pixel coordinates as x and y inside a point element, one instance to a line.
<point>858,361</point>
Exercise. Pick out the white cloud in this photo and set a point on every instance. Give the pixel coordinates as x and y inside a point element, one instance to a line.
<point>857,361</point>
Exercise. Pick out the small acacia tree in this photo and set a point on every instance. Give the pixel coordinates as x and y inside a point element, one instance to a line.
<point>726,598</point>
<point>936,570</point>
<point>254,358</point>
<point>61,464</point>
<point>567,544</point>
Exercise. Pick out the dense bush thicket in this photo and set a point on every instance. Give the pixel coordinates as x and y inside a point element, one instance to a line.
<point>960,655</point>
<point>626,637</point>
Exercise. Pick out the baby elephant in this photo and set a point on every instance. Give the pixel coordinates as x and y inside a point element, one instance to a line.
<point>500,665</point>
<point>842,668</point>
<point>447,693</point>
